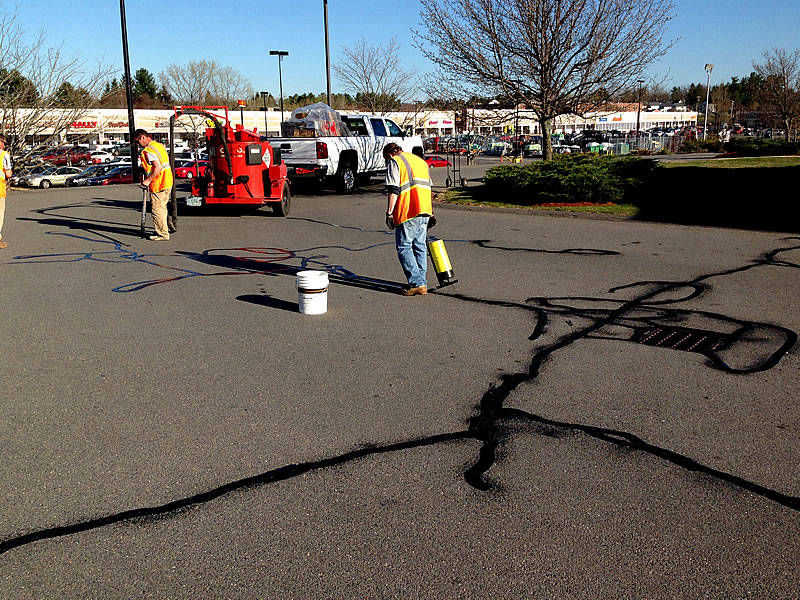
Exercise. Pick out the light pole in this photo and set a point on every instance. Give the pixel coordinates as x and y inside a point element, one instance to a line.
<point>709,67</point>
<point>639,111</point>
<point>516,146</point>
<point>327,52</point>
<point>264,98</point>
<point>128,92</point>
<point>280,54</point>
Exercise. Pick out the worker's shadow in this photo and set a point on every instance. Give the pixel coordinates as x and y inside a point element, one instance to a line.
<point>265,261</point>
<point>89,225</point>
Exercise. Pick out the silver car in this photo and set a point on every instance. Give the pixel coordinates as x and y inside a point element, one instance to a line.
<point>54,176</point>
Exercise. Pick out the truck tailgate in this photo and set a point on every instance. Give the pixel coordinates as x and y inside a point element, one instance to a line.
<point>296,150</point>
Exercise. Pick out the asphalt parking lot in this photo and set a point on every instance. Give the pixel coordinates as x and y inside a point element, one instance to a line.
<point>597,408</point>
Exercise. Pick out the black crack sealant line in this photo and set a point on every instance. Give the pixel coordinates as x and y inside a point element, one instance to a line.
<point>486,426</point>
<point>486,423</point>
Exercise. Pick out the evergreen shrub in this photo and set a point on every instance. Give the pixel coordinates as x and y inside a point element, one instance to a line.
<point>572,178</point>
<point>747,146</point>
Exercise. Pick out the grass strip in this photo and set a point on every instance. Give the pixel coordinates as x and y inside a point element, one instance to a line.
<point>476,196</point>
<point>736,163</point>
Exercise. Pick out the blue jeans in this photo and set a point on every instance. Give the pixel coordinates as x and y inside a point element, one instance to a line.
<point>410,238</point>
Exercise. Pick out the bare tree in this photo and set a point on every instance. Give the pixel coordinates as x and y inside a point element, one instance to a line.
<point>42,92</point>
<point>556,56</point>
<point>781,88</point>
<point>374,76</point>
<point>205,82</point>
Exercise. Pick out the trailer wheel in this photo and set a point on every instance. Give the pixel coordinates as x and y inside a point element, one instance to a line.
<point>346,182</point>
<point>281,209</point>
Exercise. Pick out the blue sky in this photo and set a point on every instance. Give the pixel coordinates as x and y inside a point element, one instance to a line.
<point>728,33</point>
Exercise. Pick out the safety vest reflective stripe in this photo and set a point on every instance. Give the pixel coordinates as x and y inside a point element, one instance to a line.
<point>3,154</point>
<point>422,182</point>
<point>415,188</point>
<point>164,179</point>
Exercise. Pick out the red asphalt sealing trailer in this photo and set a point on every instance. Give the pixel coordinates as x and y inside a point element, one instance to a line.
<point>243,168</point>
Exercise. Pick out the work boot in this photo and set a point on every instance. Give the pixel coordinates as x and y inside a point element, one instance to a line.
<point>420,290</point>
<point>158,238</point>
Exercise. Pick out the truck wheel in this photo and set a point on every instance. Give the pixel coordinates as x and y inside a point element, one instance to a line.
<point>45,184</point>
<point>281,209</point>
<point>346,182</point>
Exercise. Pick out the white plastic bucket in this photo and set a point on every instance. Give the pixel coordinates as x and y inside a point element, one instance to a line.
<point>312,292</point>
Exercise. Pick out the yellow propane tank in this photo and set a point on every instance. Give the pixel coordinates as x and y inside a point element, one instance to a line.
<point>441,262</point>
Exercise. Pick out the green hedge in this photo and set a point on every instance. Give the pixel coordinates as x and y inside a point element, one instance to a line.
<point>572,178</point>
<point>747,146</point>
<point>699,145</point>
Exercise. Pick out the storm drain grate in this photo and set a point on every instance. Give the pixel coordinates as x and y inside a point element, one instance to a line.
<point>680,338</point>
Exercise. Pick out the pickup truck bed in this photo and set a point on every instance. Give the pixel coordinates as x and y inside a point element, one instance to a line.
<point>343,160</point>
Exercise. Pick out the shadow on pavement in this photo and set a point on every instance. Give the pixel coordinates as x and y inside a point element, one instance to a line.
<point>748,198</point>
<point>269,301</point>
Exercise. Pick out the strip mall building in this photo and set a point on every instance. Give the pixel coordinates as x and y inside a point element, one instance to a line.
<point>98,125</point>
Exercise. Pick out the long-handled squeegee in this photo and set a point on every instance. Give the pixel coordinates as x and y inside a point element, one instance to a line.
<point>144,211</point>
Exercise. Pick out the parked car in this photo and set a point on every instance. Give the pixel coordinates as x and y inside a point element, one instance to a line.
<point>186,169</point>
<point>53,176</point>
<point>100,156</point>
<point>93,171</point>
<point>118,175</point>
<point>68,156</point>
<point>436,161</point>
<point>21,174</point>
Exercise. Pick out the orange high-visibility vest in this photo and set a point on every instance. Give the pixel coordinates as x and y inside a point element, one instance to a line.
<point>415,188</point>
<point>164,179</point>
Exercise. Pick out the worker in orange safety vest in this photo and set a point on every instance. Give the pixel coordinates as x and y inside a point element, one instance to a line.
<point>408,210</point>
<point>158,179</point>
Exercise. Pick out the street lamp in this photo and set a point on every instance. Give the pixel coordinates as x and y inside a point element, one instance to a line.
<point>264,98</point>
<point>327,52</point>
<point>128,92</point>
<point>709,67</point>
<point>280,54</point>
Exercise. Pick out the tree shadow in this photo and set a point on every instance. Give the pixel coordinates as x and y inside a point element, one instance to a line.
<point>756,198</point>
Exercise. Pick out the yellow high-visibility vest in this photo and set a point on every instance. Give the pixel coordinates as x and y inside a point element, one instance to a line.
<point>415,188</point>
<point>3,154</point>
<point>164,179</point>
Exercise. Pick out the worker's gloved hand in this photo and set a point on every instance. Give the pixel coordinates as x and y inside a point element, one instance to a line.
<point>389,221</point>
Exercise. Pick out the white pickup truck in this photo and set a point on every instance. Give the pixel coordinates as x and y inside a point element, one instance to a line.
<point>344,159</point>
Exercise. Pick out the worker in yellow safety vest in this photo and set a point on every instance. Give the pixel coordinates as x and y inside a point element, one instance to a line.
<point>5,175</point>
<point>158,179</point>
<point>409,207</point>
